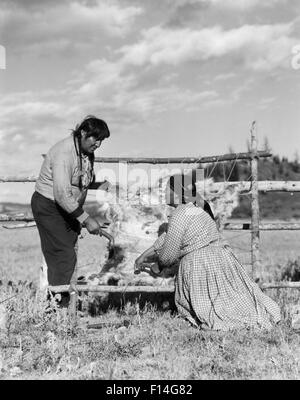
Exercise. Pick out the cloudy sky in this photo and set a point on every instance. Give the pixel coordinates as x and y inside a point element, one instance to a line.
<point>170,77</point>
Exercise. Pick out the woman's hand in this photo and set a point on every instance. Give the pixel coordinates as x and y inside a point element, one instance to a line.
<point>155,270</point>
<point>92,225</point>
<point>138,263</point>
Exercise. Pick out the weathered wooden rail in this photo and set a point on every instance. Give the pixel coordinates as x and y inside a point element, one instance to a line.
<point>262,186</point>
<point>19,217</point>
<point>230,226</point>
<point>241,186</point>
<point>181,160</point>
<point>16,179</point>
<point>271,226</point>
<point>153,289</point>
<point>113,289</point>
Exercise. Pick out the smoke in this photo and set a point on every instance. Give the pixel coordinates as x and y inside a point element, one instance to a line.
<point>135,224</point>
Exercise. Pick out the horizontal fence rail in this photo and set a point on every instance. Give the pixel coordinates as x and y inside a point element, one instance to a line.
<point>271,226</point>
<point>19,217</point>
<point>182,160</point>
<point>153,289</point>
<point>263,186</point>
<point>18,226</point>
<point>113,289</point>
<point>21,179</point>
<point>280,285</point>
<point>241,186</point>
<point>230,226</point>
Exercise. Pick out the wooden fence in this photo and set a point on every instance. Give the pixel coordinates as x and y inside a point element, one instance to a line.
<point>253,187</point>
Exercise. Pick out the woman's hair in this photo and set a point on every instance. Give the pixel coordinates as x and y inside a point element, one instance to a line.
<point>93,127</point>
<point>184,186</point>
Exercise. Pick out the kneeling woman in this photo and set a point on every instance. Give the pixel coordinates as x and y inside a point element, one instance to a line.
<point>212,289</point>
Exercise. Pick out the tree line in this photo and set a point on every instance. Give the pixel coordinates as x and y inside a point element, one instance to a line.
<point>275,168</point>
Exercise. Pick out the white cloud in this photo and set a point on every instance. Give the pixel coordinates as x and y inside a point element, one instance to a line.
<point>240,90</point>
<point>266,102</point>
<point>225,76</point>
<point>166,99</point>
<point>66,24</point>
<point>107,84</point>
<point>101,75</point>
<point>113,18</point>
<point>35,120</point>
<point>244,4</point>
<point>260,47</point>
<point>112,89</point>
<point>27,126</point>
<point>230,4</point>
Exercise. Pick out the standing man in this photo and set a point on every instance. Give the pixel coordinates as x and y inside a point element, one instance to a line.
<point>60,192</point>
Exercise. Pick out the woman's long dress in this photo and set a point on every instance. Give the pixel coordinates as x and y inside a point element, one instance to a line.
<point>212,289</point>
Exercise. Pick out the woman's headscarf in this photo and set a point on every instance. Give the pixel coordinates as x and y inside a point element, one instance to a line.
<point>184,186</point>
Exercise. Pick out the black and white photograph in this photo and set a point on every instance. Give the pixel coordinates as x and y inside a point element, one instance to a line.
<point>149,192</point>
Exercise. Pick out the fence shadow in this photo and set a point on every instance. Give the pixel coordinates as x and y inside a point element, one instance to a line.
<point>99,304</point>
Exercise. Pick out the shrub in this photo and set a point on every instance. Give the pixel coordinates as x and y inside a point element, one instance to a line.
<point>291,272</point>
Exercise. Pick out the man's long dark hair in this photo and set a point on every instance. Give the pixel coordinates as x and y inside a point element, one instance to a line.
<point>93,127</point>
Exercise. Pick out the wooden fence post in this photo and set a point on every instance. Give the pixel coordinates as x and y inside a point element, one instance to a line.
<point>73,293</point>
<point>72,309</point>
<point>255,257</point>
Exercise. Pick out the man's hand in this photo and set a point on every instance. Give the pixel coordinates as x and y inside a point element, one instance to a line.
<point>104,185</point>
<point>92,225</point>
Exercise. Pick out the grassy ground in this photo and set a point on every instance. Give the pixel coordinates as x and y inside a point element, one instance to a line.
<point>20,254</point>
<point>149,344</point>
<point>277,249</point>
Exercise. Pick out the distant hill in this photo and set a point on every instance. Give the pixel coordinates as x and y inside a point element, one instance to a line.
<point>272,205</point>
<point>12,208</point>
<point>274,168</point>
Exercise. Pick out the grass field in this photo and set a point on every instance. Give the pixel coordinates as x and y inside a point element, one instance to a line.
<point>136,342</point>
<point>21,255</point>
